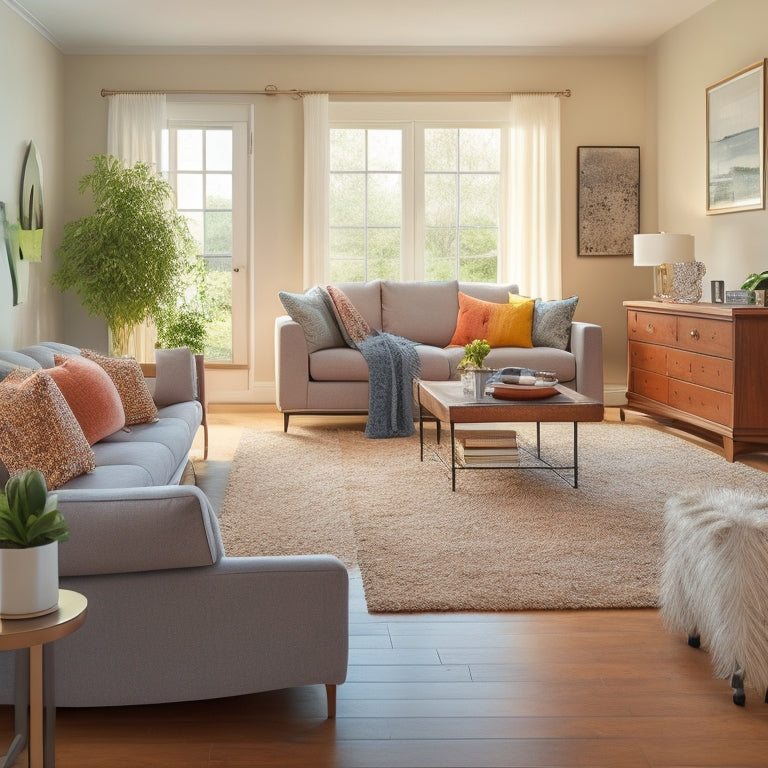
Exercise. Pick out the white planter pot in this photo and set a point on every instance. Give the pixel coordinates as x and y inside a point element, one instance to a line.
<point>29,581</point>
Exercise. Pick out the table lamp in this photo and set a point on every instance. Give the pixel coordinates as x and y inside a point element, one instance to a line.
<point>676,273</point>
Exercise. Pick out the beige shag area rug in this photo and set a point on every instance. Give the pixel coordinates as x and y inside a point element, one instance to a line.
<point>505,540</point>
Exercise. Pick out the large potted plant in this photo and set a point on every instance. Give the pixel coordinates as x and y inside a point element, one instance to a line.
<point>126,259</point>
<point>31,528</point>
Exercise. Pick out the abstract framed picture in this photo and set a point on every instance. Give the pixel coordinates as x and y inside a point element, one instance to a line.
<point>608,200</point>
<point>736,141</point>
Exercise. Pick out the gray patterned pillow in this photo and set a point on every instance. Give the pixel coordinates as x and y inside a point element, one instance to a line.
<point>552,322</point>
<point>312,312</point>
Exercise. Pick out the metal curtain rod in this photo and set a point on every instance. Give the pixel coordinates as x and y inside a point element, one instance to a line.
<point>273,90</point>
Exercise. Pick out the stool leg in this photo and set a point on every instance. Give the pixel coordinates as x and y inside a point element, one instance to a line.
<point>737,683</point>
<point>694,641</point>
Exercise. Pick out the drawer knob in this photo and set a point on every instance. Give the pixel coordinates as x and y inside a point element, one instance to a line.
<point>649,328</point>
<point>695,334</point>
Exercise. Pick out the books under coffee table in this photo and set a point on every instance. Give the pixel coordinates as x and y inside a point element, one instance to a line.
<point>486,445</point>
<point>445,402</point>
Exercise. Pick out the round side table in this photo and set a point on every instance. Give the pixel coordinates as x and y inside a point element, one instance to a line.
<point>34,680</point>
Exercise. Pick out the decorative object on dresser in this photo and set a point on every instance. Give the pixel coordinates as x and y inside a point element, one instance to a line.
<point>700,364</point>
<point>676,273</point>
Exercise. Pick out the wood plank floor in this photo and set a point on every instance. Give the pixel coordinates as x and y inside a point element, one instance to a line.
<point>537,689</point>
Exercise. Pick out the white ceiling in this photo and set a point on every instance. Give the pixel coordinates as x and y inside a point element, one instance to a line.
<point>354,26</point>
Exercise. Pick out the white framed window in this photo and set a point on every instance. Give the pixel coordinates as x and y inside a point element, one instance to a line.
<point>206,156</point>
<point>416,190</point>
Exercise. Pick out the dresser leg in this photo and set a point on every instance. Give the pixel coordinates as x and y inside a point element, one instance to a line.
<point>728,448</point>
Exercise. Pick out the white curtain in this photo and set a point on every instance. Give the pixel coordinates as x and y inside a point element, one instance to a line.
<point>532,257</point>
<point>135,124</point>
<point>316,192</point>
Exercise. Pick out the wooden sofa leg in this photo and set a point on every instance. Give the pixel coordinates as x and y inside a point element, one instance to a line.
<point>330,693</point>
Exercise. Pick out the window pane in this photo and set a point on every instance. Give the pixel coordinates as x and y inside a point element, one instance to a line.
<point>195,221</point>
<point>383,253</point>
<point>479,200</point>
<point>218,233</point>
<point>440,149</point>
<point>440,200</point>
<point>347,199</point>
<point>384,199</point>
<point>347,149</point>
<point>189,150</point>
<point>218,190</point>
<point>347,243</point>
<point>478,254</point>
<point>189,190</point>
<point>219,342</point>
<point>218,150</point>
<point>385,150</point>
<point>479,149</point>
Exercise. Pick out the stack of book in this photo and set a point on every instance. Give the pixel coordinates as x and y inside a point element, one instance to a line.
<point>480,446</point>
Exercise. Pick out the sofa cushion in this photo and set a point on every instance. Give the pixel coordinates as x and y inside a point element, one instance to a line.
<point>497,292</point>
<point>354,327</point>
<point>175,379</point>
<point>552,322</point>
<point>313,312</point>
<point>501,325</point>
<point>424,312</point>
<point>340,364</point>
<point>154,457</point>
<point>44,351</point>
<point>91,395</point>
<point>39,431</point>
<point>127,376</point>
<point>172,433</point>
<point>10,360</point>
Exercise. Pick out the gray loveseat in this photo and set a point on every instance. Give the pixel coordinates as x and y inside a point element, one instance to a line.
<point>335,380</point>
<point>170,616</point>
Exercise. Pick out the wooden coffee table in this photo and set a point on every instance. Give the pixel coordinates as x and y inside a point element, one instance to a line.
<point>446,402</point>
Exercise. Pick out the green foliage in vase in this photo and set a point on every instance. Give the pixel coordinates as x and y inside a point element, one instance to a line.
<point>126,259</point>
<point>475,353</point>
<point>755,282</point>
<point>28,513</point>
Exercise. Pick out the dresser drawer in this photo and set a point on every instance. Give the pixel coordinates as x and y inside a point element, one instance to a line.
<point>704,335</point>
<point>648,357</point>
<point>652,327</point>
<point>701,401</point>
<point>712,372</point>
<point>652,385</point>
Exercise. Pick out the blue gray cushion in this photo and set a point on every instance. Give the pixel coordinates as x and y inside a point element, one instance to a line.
<point>311,310</point>
<point>552,322</point>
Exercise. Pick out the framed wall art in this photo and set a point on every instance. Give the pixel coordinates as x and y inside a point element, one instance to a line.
<point>608,200</point>
<point>735,142</point>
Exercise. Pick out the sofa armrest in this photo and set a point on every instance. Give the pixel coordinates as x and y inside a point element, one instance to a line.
<point>587,347</point>
<point>291,365</point>
<point>137,529</point>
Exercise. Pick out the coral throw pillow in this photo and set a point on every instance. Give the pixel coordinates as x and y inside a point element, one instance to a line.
<point>39,431</point>
<point>131,385</point>
<point>501,325</point>
<point>353,325</point>
<point>91,395</point>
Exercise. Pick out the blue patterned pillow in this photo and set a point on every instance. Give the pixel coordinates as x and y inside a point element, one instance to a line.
<point>552,322</point>
<point>312,312</point>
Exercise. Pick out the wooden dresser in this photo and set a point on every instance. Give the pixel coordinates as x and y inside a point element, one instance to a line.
<point>702,364</point>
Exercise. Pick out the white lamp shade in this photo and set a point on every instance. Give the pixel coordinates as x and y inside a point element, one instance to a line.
<point>662,248</point>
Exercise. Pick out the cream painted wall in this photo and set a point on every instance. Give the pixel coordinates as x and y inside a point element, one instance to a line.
<point>31,107</point>
<point>609,106</point>
<point>720,40</point>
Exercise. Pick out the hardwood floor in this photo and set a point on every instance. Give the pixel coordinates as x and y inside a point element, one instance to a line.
<point>557,689</point>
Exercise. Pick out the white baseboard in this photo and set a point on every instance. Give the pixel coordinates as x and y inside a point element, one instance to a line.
<point>615,394</point>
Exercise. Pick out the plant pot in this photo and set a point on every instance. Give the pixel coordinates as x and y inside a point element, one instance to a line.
<point>29,581</point>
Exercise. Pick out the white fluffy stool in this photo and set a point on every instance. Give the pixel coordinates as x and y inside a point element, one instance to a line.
<point>714,580</point>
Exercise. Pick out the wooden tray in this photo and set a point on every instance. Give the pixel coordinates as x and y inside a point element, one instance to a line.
<point>521,392</point>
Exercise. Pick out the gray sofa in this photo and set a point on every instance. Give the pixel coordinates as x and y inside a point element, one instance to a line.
<point>335,380</point>
<point>170,616</point>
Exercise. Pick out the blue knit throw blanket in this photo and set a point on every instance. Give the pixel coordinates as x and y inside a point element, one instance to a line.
<point>392,366</point>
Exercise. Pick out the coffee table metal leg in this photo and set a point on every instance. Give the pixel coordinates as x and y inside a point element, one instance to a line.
<point>453,457</point>
<point>575,454</point>
<point>538,439</point>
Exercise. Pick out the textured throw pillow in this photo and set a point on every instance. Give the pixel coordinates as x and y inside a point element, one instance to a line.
<point>126,375</point>
<point>354,326</point>
<point>312,311</point>
<point>91,395</point>
<point>176,377</point>
<point>39,431</point>
<point>552,322</point>
<point>501,325</point>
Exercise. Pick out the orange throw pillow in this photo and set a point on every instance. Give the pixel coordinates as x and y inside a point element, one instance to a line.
<point>91,395</point>
<point>501,325</point>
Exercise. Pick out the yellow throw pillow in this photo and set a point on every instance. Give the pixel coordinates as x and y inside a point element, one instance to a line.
<point>501,325</point>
